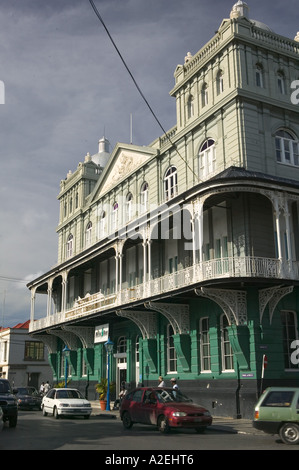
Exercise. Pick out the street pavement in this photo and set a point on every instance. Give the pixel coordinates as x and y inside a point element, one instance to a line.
<point>223,424</point>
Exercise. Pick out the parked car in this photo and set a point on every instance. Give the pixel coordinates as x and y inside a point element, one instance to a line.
<point>277,412</point>
<point>1,419</point>
<point>8,403</point>
<point>65,402</point>
<point>164,408</point>
<point>28,398</point>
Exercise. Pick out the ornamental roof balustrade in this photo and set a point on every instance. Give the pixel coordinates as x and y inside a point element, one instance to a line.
<point>190,277</point>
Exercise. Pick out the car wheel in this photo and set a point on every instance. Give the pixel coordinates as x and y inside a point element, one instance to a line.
<point>127,422</point>
<point>200,430</point>
<point>289,433</point>
<point>163,424</point>
<point>44,411</point>
<point>86,416</point>
<point>55,413</point>
<point>13,421</point>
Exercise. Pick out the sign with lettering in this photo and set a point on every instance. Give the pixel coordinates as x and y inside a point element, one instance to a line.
<point>101,333</point>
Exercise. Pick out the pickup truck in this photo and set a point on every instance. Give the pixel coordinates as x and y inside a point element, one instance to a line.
<point>277,412</point>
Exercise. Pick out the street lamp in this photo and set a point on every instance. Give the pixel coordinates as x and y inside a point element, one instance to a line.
<point>66,354</point>
<point>109,348</point>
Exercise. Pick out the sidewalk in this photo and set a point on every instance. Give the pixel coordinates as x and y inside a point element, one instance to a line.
<point>223,424</point>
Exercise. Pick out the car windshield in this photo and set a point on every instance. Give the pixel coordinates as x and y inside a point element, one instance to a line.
<point>4,387</point>
<point>72,394</point>
<point>27,391</point>
<point>166,396</point>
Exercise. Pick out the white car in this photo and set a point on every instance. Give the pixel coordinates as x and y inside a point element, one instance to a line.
<point>65,402</point>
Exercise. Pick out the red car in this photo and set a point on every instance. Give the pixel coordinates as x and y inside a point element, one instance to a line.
<point>163,407</point>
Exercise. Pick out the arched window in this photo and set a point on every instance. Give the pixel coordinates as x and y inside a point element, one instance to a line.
<point>144,197</point>
<point>69,246</point>
<point>129,207</point>
<point>88,234</point>
<point>286,147</point>
<point>204,95</point>
<point>171,352</point>
<point>170,183</point>
<point>122,349</point>
<point>102,225</point>
<point>259,76</point>
<point>281,83</point>
<point>190,106</point>
<point>207,158</point>
<point>114,217</point>
<point>219,82</point>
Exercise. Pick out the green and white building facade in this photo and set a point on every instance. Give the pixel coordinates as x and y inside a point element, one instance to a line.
<point>185,252</point>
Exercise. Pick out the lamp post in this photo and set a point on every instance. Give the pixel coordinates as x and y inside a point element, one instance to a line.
<point>66,353</point>
<point>109,348</point>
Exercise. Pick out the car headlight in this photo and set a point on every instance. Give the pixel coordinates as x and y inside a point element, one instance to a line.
<point>179,413</point>
<point>207,413</point>
<point>63,405</point>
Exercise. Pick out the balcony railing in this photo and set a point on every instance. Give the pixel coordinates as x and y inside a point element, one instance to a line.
<point>247,267</point>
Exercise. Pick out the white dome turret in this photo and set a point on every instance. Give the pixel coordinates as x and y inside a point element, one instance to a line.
<point>239,9</point>
<point>101,158</point>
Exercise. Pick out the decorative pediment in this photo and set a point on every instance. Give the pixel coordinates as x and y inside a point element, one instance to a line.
<point>124,160</point>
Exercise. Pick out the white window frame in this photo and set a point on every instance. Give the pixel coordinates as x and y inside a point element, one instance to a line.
<point>129,207</point>
<point>227,356</point>
<point>114,217</point>
<point>144,197</point>
<point>88,234</point>
<point>204,95</point>
<point>207,158</point>
<point>69,246</point>
<point>171,352</point>
<point>170,183</point>
<point>259,79</point>
<point>205,345</point>
<point>286,148</point>
<point>190,107</point>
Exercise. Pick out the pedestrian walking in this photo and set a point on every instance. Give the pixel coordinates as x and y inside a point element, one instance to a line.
<point>46,387</point>
<point>161,382</point>
<point>175,386</point>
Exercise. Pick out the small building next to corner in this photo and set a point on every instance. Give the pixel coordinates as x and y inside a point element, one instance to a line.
<point>23,359</point>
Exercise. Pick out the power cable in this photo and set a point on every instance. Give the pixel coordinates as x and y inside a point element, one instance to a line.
<point>137,86</point>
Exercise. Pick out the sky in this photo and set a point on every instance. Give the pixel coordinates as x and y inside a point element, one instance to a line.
<point>65,87</point>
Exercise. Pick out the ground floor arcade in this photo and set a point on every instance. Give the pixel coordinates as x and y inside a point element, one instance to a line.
<point>212,340</point>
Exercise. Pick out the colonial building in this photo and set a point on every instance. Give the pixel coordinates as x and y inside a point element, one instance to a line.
<point>186,252</point>
<point>23,359</point>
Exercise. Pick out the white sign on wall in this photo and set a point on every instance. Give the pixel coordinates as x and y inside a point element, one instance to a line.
<point>101,333</point>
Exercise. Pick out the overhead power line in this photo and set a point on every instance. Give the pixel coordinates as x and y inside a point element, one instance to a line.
<point>12,279</point>
<point>137,86</point>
